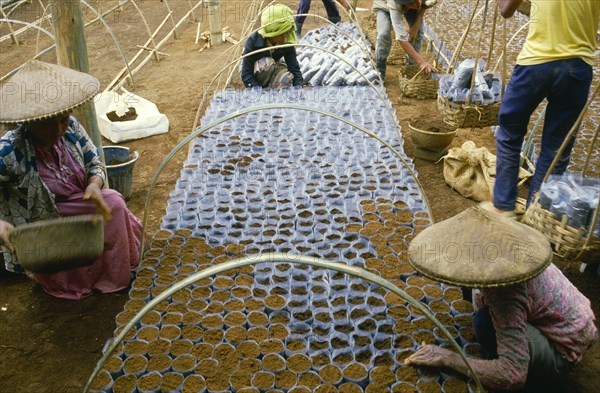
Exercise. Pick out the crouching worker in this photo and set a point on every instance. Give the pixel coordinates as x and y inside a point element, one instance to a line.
<point>533,325</point>
<point>49,168</point>
<point>273,67</point>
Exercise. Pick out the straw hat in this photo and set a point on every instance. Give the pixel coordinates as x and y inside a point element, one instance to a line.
<point>42,90</point>
<point>477,248</point>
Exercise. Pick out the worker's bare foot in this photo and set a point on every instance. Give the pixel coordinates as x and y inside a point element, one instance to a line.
<point>489,206</point>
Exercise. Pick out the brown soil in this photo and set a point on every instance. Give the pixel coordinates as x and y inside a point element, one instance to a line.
<point>217,382</point>
<point>429,387</point>
<point>285,379</point>
<point>149,382</point>
<point>102,380</point>
<point>183,363</point>
<point>206,367</point>
<point>348,387</point>
<point>263,380</point>
<point>355,372</point>
<point>407,373</point>
<point>309,379</point>
<point>298,363</point>
<point>248,349</point>
<point>235,318</point>
<point>181,347</point>
<point>193,384</point>
<point>405,387</point>
<point>326,388</point>
<point>258,334</point>
<point>125,383</point>
<point>273,362</point>
<point>159,362</point>
<point>331,374</point>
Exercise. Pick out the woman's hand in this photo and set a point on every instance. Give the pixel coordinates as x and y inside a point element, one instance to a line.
<point>5,229</point>
<point>431,355</point>
<point>93,193</point>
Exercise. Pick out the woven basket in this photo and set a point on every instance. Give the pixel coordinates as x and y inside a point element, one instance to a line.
<point>468,116</point>
<point>567,242</point>
<point>421,87</point>
<point>59,244</point>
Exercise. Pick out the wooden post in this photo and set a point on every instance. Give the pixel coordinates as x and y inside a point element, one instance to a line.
<point>214,17</point>
<point>71,51</point>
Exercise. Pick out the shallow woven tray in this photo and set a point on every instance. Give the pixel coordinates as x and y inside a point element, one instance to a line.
<point>467,116</point>
<point>59,244</point>
<point>421,87</point>
<point>567,242</point>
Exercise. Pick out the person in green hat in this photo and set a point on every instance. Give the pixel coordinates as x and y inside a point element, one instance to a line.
<point>277,67</point>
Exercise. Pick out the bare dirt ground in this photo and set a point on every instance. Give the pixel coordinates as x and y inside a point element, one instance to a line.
<point>52,345</point>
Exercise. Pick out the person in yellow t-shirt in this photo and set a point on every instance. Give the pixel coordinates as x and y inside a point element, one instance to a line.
<point>555,63</point>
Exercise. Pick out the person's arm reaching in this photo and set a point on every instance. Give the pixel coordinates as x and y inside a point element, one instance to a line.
<point>509,370</point>
<point>291,60</point>
<point>508,7</point>
<point>247,73</point>
<point>417,58</point>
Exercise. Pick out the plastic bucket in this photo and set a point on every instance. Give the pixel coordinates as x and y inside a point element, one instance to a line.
<point>120,174</point>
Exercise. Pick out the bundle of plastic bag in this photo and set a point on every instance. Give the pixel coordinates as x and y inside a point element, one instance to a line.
<point>573,195</point>
<point>456,87</point>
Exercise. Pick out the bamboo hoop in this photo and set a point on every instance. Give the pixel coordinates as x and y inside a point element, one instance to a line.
<point>244,36</point>
<point>241,112</point>
<point>283,258</point>
<point>379,93</point>
<point>568,242</point>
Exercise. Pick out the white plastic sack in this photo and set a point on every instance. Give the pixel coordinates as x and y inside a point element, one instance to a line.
<point>149,120</point>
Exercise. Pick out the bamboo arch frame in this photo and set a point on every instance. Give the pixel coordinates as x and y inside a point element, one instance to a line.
<point>241,112</point>
<point>388,108</point>
<point>100,17</point>
<point>283,258</point>
<point>31,25</point>
<point>260,8</point>
<point>362,47</point>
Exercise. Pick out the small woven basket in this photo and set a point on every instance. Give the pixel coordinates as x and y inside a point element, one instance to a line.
<point>468,116</point>
<point>59,244</point>
<point>568,242</point>
<point>416,84</point>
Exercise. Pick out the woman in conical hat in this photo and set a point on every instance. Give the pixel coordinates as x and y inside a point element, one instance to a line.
<point>274,67</point>
<point>533,325</point>
<point>49,168</point>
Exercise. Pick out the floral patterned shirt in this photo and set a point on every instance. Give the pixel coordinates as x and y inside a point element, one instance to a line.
<point>548,302</point>
<point>24,197</point>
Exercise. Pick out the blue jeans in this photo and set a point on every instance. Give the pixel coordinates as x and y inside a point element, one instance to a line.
<point>546,364</point>
<point>566,85</point>
<point>333,13</point>
<point>385,20</point>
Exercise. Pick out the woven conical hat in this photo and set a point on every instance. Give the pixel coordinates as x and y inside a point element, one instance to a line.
<point>42,90</point>
<point>477,248</point>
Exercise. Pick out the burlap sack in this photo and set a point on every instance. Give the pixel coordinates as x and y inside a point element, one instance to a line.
<point>471,171</point>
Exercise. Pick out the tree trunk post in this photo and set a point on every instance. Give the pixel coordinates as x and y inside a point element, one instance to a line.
<point>71,51</point>
<point>214,18</point>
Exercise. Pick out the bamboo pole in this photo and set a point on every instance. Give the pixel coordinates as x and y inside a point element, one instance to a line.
<point>71,50</point>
